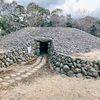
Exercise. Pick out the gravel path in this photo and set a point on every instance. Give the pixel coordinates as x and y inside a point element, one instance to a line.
<point>47,85</point>
<point>65,40</point>
<point>7,80</point>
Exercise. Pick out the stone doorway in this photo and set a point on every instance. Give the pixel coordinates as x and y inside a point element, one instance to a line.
<point>43,47</point>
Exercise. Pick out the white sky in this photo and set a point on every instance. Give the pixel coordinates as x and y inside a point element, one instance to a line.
<point>69,6</point>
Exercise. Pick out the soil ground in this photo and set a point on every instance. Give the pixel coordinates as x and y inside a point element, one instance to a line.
<point>48,85</point>
<point>94,55</point>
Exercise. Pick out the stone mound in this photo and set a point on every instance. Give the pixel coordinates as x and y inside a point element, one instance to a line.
<point>65,40</point>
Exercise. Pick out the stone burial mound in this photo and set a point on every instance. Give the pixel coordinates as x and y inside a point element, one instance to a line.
<point>71,51</point>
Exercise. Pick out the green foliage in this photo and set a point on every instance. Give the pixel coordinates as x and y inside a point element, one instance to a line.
<point>33,8</point>
<point>2,33</point>
<point>68,24</point>
<point>20,8</point>
<point>93,29</point>
<point>56,11</point>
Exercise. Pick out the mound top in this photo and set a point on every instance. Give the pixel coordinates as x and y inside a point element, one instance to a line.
<point>65,40</point>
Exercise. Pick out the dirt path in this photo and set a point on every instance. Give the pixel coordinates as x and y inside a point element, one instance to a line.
<point>48,85</point>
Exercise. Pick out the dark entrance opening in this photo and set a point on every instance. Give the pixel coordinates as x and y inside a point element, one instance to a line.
<point>43,47</point>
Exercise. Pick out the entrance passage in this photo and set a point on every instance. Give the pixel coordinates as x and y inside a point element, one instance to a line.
<point>43,47</point>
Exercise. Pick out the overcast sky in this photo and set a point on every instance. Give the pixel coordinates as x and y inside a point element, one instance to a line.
<point>69,6</point>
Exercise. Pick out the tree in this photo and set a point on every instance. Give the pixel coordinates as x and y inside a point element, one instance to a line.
<point>38,15</point>
<point>81,13</point>
<point>20,9</point>
<point>57,12</point>
<point>92,30</point>
<point>55,17</point>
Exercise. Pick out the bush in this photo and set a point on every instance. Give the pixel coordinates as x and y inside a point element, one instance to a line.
<point>2,33</point>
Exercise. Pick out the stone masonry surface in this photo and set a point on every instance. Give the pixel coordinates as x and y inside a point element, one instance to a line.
<point>65,41</point>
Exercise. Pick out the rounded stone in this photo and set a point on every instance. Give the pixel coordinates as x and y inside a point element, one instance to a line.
<point>18,73</point>
<point>35,69</point>
<point>11,81</point>
<point>24,76</point>
<point>28,73</point>
<point>57,64</point>
<point>57,69</point>
<point>83,65</point>
<point>92,72</point>
<point>61,65</point>
<point>62,71</point>
<point>98,63</point>
<point>7,77</point>
<point>18,78</point>
<point>66,68</point>
<point>96,67</point>
<point>26,69</point>
<point>88,77</point>
<point>79,75</point>
<point>1,79</point>
<point>69,60</point>
<point>84,71</point>
<point>77,70</point>
<point>0,86</point>
<point>13,75</point>
<point>5,84</point>
<point>79,65</point>
<point>21,71</point>
<point>32,71</point>
<point>70,73</point>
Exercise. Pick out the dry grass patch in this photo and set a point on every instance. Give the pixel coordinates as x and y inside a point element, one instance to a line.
<point>88,56</point>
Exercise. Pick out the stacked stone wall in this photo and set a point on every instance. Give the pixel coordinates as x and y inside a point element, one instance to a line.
<point>17,56</point>
<point>70,66</point>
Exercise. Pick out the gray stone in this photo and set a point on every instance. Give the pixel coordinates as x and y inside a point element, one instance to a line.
<point>72,68</point>
<point>79,75</point>
<point>57,69</point>
<point>96,67</point>
<point>92,72</point>
<point>69,60</point>
<point>62,71</point>
<point>84,71</point>
<point>83,61</point>
<point>78,61</point>
<point>83,65</point>
<point>58,64</point>
<point>88,77</point>
<point>91,64</point>
<point>70,73</point>
<point>2,69</point>
<point>28,73</point>
<point>78,65</point>
<point>61,65</point>
<point>54,67</point>
<point>74,64</point>
<point>8,59</point>
<point>88,62</point>
<point>88,67</point>
<point>18,78</point>
<point>7,64</point>
<point>11,81</point>
<point>11,61</point>
<point>5,84</point>
<point>98,63</point>
<point>59,59</point>
<point>95,74</point>
<point>70,64</point>
<point>66,68</point>
<point>77,70</point>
